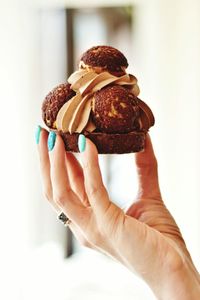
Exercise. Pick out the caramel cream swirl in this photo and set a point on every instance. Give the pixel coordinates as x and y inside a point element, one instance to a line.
<point>74,115</point>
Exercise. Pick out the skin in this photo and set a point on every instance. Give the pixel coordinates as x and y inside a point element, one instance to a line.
<point>145,238</point>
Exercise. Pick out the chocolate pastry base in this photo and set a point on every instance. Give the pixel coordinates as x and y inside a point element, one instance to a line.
<point>108,143</point>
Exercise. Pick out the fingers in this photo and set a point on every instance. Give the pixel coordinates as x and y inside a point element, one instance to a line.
<point>97,194</point>
<point>147,170</point>
<point>55,179</point>
<point>76,177</point>
<point>63,194</point>
<point>45,167</point>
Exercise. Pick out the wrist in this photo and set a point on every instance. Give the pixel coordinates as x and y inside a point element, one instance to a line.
<point>183,284</point>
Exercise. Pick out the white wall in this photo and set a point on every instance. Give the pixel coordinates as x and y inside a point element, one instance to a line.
<point>24,223</point>
<point>166,48</point>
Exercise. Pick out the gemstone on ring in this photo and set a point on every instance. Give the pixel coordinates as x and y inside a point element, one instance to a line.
<point>63,218</point>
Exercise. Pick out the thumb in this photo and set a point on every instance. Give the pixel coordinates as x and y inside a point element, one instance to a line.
<point>147,170</point>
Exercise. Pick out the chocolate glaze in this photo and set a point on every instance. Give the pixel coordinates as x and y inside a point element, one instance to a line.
<point>114,109</point>
<point>54,101</point>
<point>106,57</point>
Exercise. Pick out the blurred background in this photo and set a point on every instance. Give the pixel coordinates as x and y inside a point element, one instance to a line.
<point>41,42</point>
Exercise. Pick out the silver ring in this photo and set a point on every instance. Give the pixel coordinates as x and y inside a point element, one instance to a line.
<point>64,219</point>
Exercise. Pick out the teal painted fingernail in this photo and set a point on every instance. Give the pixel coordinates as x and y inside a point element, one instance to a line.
<point>37,134</point>
<point>81,143</point>
<point>51,140</point>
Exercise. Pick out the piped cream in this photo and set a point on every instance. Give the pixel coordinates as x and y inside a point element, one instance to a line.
<point>74,116</point>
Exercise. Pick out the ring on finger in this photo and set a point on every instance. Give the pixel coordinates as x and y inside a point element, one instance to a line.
<point>64,219</point>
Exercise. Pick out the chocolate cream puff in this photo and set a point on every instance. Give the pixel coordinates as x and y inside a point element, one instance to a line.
<point>100,101</point>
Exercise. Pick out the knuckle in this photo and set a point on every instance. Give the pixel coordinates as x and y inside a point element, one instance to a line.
<point>94,191</point>
<point>47,194</point>
<point>60,199</point>
<point>60,196</point>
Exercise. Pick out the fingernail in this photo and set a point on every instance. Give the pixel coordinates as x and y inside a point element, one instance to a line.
<point>37,134</point>
<point>81,143</point>
<point>51,140</point>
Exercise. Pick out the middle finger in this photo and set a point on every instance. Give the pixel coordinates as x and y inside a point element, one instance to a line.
<point>76,177</point>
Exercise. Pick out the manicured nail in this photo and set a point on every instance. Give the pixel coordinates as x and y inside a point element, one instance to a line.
<point>37,134</point>
<point>81,143</point>
<point>51,140</point>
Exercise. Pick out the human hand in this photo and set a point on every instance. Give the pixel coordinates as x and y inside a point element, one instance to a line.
<point>145,239</point>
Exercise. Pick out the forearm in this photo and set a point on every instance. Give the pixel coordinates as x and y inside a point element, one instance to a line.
<point>184,285</point>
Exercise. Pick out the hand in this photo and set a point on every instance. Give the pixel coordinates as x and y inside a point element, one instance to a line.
<point>145,239</point>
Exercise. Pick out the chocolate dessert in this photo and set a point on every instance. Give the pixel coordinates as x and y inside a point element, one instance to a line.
<point>54,101</point>
<point>100,101</point>
<point>114,109</point>
<point>101,58</point>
